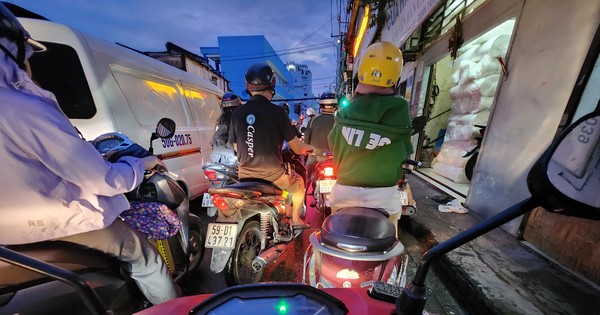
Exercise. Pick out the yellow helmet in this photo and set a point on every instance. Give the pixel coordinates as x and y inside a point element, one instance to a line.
<point>381,65</point>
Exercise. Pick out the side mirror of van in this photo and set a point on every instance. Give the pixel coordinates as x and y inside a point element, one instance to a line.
<point>566,178</point>
<point>165,128</point>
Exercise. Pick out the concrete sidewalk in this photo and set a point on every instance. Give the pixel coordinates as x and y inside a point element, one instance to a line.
<point>496,273</point>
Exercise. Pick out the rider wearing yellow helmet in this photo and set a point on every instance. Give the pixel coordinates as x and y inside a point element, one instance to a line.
<point>371,136</point>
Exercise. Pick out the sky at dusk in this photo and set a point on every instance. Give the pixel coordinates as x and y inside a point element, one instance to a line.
<point>146,25</point>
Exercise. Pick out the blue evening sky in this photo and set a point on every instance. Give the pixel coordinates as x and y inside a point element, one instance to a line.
<point>147,25</point>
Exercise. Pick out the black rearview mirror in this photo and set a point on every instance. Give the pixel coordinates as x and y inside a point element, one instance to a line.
<point>567,178</point>
<point>165,128</point>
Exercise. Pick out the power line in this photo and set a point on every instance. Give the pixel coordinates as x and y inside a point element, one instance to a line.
<point>317,79</point>
<point>313,33</point>
<point>275,54</point>
<point>259,54</point>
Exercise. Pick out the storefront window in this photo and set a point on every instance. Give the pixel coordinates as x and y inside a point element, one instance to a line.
<point>458,103</point>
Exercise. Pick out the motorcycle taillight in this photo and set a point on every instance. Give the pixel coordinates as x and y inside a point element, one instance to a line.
<point>212,175</point>
<point>228,204</point>
<point>328,171</point>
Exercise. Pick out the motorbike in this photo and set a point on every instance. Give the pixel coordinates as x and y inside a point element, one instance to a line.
<point>357,245</point>
<point>324,178</point>
<point>182,252</point>
<point>354,247</point>
<point>252,229</point>
<point>219,175</point>
<point>564,180</point>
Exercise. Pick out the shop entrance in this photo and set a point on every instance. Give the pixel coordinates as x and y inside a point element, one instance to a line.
<point>459,95</point>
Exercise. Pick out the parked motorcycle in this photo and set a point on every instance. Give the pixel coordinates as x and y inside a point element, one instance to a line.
<point>182,252</point>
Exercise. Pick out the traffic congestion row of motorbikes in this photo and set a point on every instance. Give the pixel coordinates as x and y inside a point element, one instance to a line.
<point>250,232</point>
<point>355,248</point>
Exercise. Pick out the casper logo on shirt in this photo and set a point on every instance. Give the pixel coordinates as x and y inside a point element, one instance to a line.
<point>250,119</point>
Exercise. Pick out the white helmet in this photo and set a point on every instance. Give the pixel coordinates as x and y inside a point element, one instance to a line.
<point>310,111</point>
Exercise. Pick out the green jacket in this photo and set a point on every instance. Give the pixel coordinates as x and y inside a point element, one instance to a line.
<point>370,139</point>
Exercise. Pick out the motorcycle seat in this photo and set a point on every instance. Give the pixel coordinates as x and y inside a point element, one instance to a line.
<point>65,255</point>
<point>366,228</point>
<point>264,187</point>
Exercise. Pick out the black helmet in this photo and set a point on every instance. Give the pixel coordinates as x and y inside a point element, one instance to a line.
<point>260,77</point>
<point>230,100</point>
<point>12,29</point>
<point>328,100</point>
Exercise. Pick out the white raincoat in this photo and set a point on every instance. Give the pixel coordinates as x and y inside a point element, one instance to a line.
<point>52,183</point>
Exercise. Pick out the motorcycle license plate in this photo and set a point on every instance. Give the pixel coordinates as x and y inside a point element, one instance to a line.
<point>207,200</point>
<point>220,235</point>
<point>325,185</point>
<point>404,198</point>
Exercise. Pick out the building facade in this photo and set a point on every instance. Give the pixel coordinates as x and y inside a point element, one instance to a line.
<point>514,67</point>
<point>235,54</point>
<point>185,60</point>
<point>303,95</point>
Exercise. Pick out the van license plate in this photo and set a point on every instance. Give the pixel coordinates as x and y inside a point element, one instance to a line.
<point>207,200</point>
<point>221,235</point>
<point>326,185</point>
<point>404,198</point>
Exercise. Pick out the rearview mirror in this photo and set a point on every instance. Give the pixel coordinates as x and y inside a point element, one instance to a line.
<point>165,128</point>
<point>566,179</point>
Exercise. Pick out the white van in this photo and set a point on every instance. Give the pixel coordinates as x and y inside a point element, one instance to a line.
<point>103,87</point>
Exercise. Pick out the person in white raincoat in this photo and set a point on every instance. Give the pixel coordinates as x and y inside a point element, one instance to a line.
<point>55,185</point>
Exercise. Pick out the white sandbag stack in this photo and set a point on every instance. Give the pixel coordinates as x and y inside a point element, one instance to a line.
<point>476,75</point>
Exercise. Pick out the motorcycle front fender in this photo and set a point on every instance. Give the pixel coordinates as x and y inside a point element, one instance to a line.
<point>219,259</point>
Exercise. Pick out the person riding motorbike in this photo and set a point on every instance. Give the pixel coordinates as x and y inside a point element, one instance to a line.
<point>288,155</point>
<point>258,130</point>
<point>222,150</point>
<point>310,114</point>
<point>371,136</point>
<point>318,129</point>
<point>56,186</point>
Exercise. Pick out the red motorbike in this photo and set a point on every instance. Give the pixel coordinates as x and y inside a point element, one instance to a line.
<point>355,247</point>
<point>564,180</point>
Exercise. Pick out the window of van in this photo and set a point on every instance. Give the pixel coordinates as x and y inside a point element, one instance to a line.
<point>59,70</point>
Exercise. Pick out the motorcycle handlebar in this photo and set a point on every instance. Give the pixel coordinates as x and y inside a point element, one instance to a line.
<point>413,162</point>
